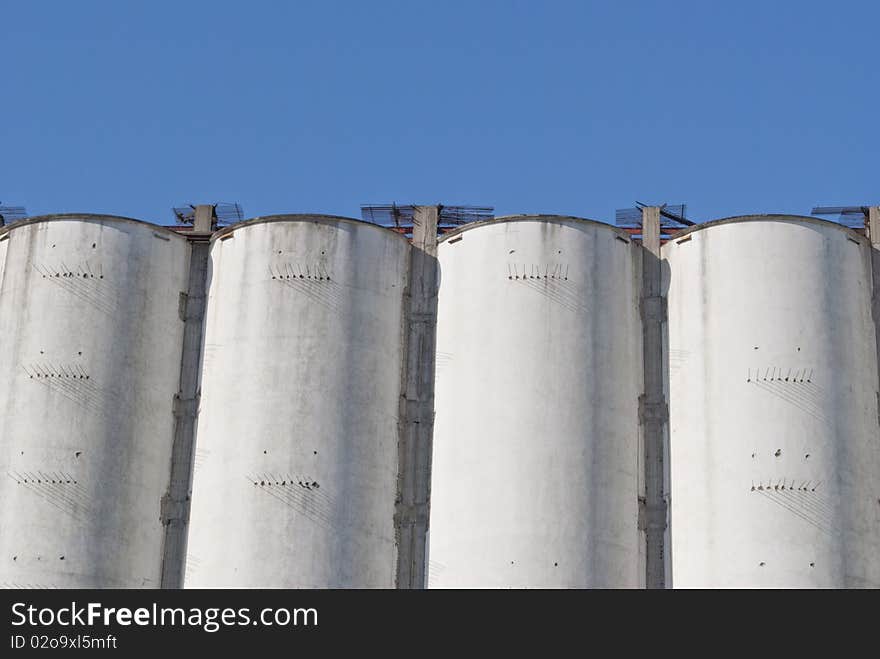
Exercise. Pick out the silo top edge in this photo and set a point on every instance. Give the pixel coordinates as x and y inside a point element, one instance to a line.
<point>559,219</point>
<point>301,217</point>
<point>769,217</point>
<point>55,217</point>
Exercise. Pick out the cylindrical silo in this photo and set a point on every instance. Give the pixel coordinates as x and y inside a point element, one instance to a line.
<point>90,347</point>
<point>296,456</point>
<point>536,462</point>
<point>774,438</point>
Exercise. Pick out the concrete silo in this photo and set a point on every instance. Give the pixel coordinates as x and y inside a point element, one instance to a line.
<point>91,336</point>
<point>774,438</point>
<point>296,459</point>
<point>536,446</point>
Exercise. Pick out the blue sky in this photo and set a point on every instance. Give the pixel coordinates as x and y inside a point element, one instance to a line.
<point>543,106</point>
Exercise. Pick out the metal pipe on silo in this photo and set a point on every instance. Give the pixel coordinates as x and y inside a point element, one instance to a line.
<point>873,225</point>
<point>653,410</point>
<point>176,502</point>
<point>416,426</point>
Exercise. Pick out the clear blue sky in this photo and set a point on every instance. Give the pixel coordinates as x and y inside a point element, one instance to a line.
<point>543,106</point>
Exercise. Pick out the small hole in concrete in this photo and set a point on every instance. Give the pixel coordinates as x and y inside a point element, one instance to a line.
<point>807,456</point>
<point>77,454</point>
<point>61,558</point>
<point>812,565</point>
<point>556,565</point>
<point>315,452</point>
<point>762,563</point>
<point>778,452</point>
<point>94,245</point>
<point>15,558</point>
<point>264,452</point>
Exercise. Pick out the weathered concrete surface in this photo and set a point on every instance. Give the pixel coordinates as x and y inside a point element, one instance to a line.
<point>91,341</point>
<point>296,453</point>
<point>773,406</point>
<point>203,220</point>
<point>539,370</point>
<point>653,408</point>
<point>417,401</point>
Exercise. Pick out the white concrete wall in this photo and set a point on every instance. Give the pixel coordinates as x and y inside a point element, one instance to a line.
<point>90,341</point>
<point>535,469</point>
<point>775,445</point>
<point>296,452</point>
